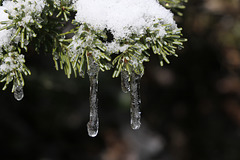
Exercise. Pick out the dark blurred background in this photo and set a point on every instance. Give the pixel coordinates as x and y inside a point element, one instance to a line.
<point>190,108</point>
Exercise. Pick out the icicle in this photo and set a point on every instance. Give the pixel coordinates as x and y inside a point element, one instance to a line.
<point>135,100</point>
<point>93,77</point>
<point>124,81</point>
<point>18,93</point>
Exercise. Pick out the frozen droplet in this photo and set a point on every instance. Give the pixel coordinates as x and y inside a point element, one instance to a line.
<point>135,100</point>
<point>18,93</point>
<point>81,74</point>
<point>93,123</point>
<point>26,42</point>
<point>92,127</point>
<point>148,39</point>
<point>180,47</point>
<point>125,81</point>
<point>55,56</point>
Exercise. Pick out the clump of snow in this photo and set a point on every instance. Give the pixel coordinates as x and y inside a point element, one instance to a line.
<point>12,61</point>
<point>115,47</point>
<point>3,15</point>
<point>122,17</point>
<point>31,9</point>
<point>5,35</point>
<point>58,3</point>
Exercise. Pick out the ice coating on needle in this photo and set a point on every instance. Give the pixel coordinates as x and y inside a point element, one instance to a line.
<point>122,17</point>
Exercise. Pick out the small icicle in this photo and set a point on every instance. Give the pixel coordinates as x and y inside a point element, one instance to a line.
<point>180,47</point>
<point>18,93</point>
<point>56,57</point>
<point>125,81</point>
<point>81,74</point>
<point>135,100</point>
<point>93,123</point>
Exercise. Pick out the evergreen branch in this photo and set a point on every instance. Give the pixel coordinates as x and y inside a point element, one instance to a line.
<point>72,54</point>
<point>175,5</point>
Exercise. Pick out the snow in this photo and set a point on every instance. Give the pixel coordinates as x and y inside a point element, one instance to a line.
<point>115,47</point>
<point>12,61</point>
<point>3,15</point>
<point>122,17</point>
<point>5,35</point>
<point>32,10</point>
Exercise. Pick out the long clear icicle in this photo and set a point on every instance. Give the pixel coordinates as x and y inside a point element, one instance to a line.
<point>125,81</point>
<point>93,123</point>
<point>18,93</point>
<point>135,100</point>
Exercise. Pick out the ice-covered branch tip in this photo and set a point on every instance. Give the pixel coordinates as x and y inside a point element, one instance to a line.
<point>122,17</point>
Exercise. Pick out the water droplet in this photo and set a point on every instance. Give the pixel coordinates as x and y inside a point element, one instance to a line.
<point>18,93</point>
<point>125,81</point>
<point>93,123</point>
<point>135,101</point>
